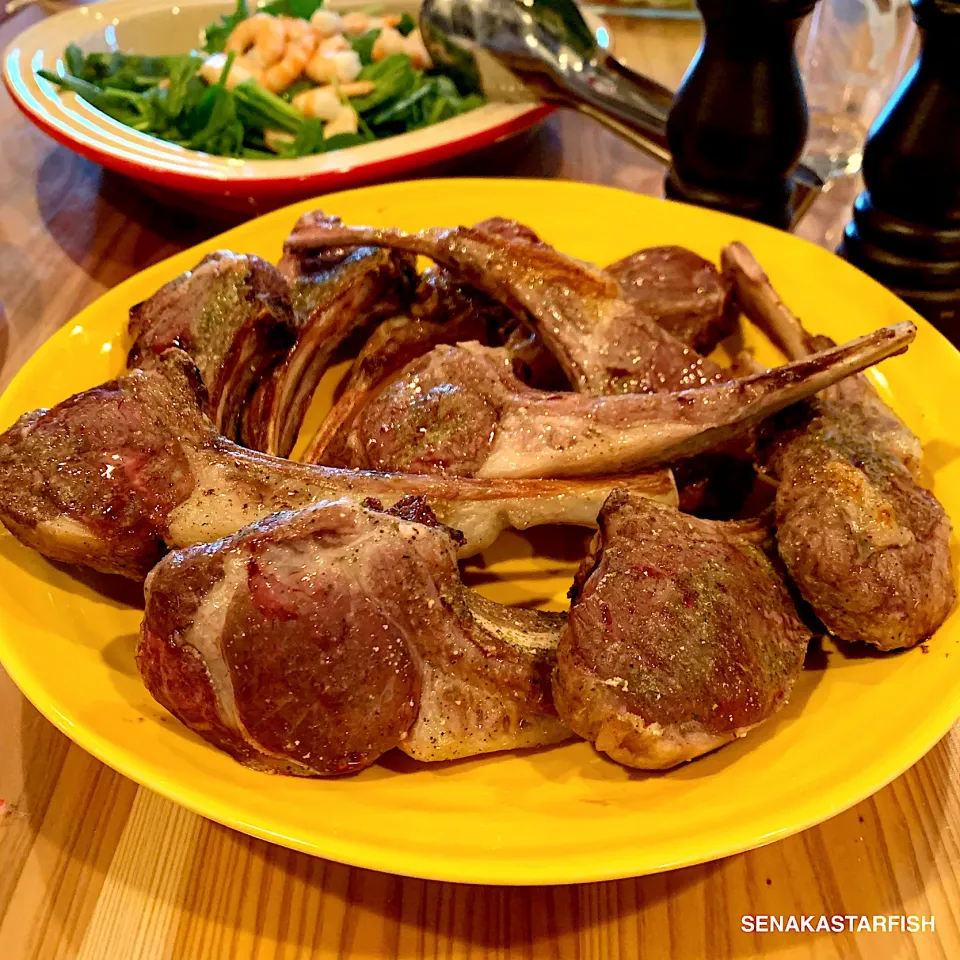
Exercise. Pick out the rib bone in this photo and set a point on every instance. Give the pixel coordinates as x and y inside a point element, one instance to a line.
<point>460,410</point>
<point>362,288</point>
<point>603,343</point>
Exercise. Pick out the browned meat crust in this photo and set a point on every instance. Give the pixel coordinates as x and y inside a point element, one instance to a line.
<point>603,343</point>
<point>232,315</point>
<point>682,636</point>
<point>682,291</point>
<point>461,411</point>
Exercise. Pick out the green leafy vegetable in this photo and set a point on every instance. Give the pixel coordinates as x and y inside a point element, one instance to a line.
<point>131,109</point>
<point>403,108</point>
<point>214,126</point>
<point>73,60</point>
<point>309,139</point>
<point>215,36</point>
<point>363,44</point>
<point>339,141</point>
<point>184,88</point>
<point>119,71</point>
<point>302,9</point>
<point>394,77</point>
<point>167,98</point>
<point>263,110</point>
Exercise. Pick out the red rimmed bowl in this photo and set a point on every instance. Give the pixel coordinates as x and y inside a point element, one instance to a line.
<point>161,27</point>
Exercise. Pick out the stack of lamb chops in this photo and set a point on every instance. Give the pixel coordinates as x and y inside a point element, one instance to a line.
<point>330,624</point>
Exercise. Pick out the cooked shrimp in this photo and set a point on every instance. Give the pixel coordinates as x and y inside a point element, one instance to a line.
<point>295,58</point>
<point>326,67</point>
<point>326,23</point>
<point>294,28</point>
<point>389,42</point>
<point>241,70</point>
<point>346,121</point>
<point>263,35</point>
<point>416,50</point>
<point>356,23</point>
<point>359,88</point>
<point>393,41</point>
<point>334,44</point>
<point>320,102</point>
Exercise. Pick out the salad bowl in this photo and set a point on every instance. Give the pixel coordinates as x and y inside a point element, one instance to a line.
<point>161,27</point>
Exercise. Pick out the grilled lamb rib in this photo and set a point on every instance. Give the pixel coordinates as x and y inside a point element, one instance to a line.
<point>114,476</point>
<point>681,637</point>
<point>391,346</point>
<point>867,546</point>
<point>444,311</point>
<point>333,298</point>
<point>311,643</point>
<point>461,411</point>
<point>232,314</point>
<point>682,291</point>
<point>603,343</point>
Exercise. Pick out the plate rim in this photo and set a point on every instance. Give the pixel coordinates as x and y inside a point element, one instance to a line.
<point>735,839</point>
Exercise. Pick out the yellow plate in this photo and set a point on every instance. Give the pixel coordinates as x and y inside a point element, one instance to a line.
<point>553,816</point>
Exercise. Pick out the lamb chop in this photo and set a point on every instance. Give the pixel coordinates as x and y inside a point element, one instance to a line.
<point>233,315</point>
<point>114,476</point>
<point>391,346</point>
<point>443,311</point>
<point>313,642</point>
<point>461,411</point>
<point>682,291</point>
<point>348,291</point>
<point>681,637</point>
<point>867,546</point>
<point>603,343</point>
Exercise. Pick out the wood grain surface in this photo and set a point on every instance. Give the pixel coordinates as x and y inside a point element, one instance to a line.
<point>91,866</point>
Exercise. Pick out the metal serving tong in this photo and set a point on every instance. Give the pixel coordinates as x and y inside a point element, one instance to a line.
<point>527,51</point>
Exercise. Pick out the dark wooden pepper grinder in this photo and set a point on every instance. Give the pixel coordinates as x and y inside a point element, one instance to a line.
<point>739,120</point>
<point>906,224</point>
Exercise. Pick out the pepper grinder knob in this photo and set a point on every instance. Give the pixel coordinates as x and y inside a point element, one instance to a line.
<point>739,120</point>
<point>906,224</point>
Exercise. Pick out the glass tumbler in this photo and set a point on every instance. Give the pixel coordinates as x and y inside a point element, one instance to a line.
<point>852,58</point>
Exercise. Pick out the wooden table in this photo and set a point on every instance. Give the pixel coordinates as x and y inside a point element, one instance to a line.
<point>92,866</point>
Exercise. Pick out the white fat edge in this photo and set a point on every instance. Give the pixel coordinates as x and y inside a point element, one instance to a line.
<point>479,521</point>
<point>456,719</point>
<point>72,534</point>
<point>652,746</point>
<point>204,636</point>
<point>533,641</point>
<point>482,521</point>
<point>206,632</point>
